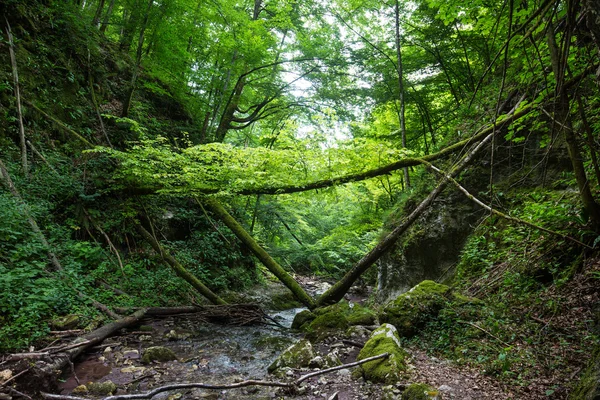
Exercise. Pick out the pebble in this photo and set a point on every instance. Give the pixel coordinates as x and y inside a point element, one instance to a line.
<point>322,381</point>
<point>445,388</point>
<point>344,372</point>
<point>107,350</point>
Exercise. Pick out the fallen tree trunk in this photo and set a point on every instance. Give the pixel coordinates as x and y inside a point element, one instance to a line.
<point>231,314</point>
<point>46,372</point>
<point>180,269</point>
<point>260,253</point>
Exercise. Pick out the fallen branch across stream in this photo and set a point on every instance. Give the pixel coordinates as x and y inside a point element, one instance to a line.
<point>288,385</point>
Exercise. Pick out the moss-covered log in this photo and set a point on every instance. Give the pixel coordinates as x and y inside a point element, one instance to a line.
<point>260,253</point>
<point>180,269</point>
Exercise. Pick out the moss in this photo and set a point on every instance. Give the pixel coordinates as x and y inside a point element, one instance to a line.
<point>389,370</point>
<point>272,342</point>
<point>283,301</point>
<point>296,356</point>
<point>303,318</point>
<point>413,309</point>
<point>102,389</point>
<point>588,387</point>
<point>337,317</point>
<point>158,353</point>
<point>420,391</point>
<point>65,322</point>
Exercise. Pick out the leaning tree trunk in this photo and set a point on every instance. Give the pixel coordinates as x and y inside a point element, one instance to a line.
<point>180,269</point>
<point>260,253</point>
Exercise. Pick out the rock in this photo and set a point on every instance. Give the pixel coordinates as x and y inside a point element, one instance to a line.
<point>102,388</point>
<point>413,309</point>
<point>65,322</point>
<point>588,387</point>
<point>358,331</point>
<point>332,360</point>
<point>174,335</point>
<point>334,396</point>
<point>131,354</point>
<point>80,389</point>
<point>107,350</point>
<point>158,353</point>
<point>344,372</point>
<point>145,338</point>
<point>302,318</point>
<point>420,391</point>
<point>132,370</point>
<point>295,356</point>
<point>5,375</point>
<point>445,388</point>
<point>175,396</point>
<point>383,340</point>
<point>316,362</point>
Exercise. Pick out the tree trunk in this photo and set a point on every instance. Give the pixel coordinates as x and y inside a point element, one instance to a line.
<point>260,253</point>
<point>178,268</point>
<point>98,13</point>
<point>563,119</point>
<point>15,72</point>
<point>399,68</point>
<point>107,16</point>
<point>138,60</point>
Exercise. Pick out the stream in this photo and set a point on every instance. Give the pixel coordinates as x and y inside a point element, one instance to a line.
<point>206,352</point>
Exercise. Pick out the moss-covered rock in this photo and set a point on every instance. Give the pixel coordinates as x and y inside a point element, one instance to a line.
<point>283,301</point>
<point>413,309</point>
<point>388,370</point>
<point>420,391</point>
<point>102,388</point>
<point>337,317</point>
<point>588,387</point>
<point>158,353</point>
<point>295,356</point>
<point>65,322</point>
<point>303,318</point>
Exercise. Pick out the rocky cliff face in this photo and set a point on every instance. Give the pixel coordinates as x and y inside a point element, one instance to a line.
<point>431,247</point>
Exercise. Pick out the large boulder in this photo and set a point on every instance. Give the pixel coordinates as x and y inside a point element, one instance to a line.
<point>296,356</point>
<point>388,370</point>
<point>413,309</point>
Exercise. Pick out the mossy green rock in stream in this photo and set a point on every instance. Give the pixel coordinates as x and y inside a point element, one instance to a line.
<point>420,391</point>
<point>296,356</point>
<point>303,318</point>
<point>337,317</point>
<point>65,322</point>
<point>158,353</point>
<point>102,389</point>
<point>413,309</point>
<point>588,387</point>
<point>388,370</point>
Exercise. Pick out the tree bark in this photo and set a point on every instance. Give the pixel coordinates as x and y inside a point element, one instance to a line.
<point>138,61</point>
<point>107,16</point>
<point>399,69</point>
<point>178,268</point>
<point>15,72</point>
<point>260,253</point>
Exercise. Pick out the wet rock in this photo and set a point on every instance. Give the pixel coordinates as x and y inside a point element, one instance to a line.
<point>413,309</point>
<point>158,353</point>
<point>174,335</point>
<point>421,391</point>
<point>383,340</point>
<point>295,356</point>
<point>101,388</point>
<point>65,322</point>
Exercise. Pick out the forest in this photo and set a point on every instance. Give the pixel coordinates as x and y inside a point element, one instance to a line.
<point>338,199</point>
